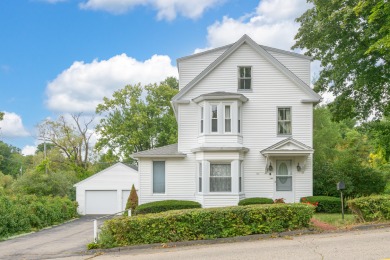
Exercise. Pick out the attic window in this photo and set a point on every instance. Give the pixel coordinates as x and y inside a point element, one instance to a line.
<point>244,77</point>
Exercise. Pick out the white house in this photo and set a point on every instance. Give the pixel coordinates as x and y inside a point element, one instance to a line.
<point>245,122</point>
<point>106,192</point>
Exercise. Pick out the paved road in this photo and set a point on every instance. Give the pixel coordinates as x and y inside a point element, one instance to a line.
<point>69,239</point>
<point>368,244</point>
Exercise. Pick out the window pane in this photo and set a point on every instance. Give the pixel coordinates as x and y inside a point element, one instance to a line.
<point>227,112</point>
<point>242,72</point>
<point>159,177</point>
<point>284,183</point>
<point>201,119</point>
<point>248,72</point>
<point>214,118</point>
<point>200,176</point>
<point>247,84</point>
<point>220,178</point>
<point>228,127</point>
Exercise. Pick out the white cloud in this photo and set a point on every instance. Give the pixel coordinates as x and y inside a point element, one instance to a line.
<point>166,9</point>
<point>272,24</point>
<point>29,150</point>
<point>12,126</point>
<point>82,86</point>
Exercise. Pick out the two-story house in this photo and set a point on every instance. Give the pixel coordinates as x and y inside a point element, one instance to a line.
<point>245,122</point>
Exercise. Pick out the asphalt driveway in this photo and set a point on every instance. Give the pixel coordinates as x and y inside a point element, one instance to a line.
<point>69,239</point>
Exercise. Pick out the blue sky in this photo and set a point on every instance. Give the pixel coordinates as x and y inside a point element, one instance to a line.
<point>63,56</point>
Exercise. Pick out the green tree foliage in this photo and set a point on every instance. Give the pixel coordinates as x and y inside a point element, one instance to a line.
<point>41,184</point>
<point>41,147</point>
<point>342,154</point>
<point>352,41</point>
<point>70,136</point>
<point>132,201</point>
<point>1,116</point>
<point>11,160</point>
<point>138,118</point>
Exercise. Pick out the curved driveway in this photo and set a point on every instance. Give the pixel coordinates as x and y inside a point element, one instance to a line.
<point>69,239</point>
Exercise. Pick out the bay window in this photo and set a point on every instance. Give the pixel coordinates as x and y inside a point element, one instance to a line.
<point>220,178</point>
<point>228,120</point>
<point>214,118</point>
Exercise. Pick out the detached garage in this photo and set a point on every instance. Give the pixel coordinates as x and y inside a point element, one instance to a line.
<point>106,192</point>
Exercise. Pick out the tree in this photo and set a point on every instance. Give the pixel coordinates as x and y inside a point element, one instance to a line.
<point>352,41</point>
<point>11,159</point>
<point>1,115</point>
<point>132,201</point>
<point>72,138</point>
<point>133,122</point>
<point>342,154</point>
<point>41,147</point>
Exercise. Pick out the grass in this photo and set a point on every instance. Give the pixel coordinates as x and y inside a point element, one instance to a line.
<point>335,219</point>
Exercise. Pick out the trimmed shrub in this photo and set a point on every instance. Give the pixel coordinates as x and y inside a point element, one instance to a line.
<point>251,201</point>
<point>326,204</point>
<point>372,208</point>
<point>132,201</point>
<point>20,214</point>
<point>198,224</point>
<point>165,205</point>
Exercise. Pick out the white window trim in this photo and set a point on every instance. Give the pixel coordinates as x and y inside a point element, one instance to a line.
<point>231,177</point>
<point>224,105</point>
<point>239,79</point>
<point>151,178</point>
<point>277,121</point>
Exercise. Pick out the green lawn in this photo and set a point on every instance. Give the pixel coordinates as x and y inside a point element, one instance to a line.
<point>335,219</point>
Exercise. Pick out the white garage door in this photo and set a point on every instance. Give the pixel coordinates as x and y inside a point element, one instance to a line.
<point>101,202</point>
<point>125,196</point>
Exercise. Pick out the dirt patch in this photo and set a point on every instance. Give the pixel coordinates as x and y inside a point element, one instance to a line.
<point>322,225</point>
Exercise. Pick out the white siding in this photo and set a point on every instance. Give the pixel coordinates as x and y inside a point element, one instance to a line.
<point>270,89</point>
<point>192,67</point>
<point>298,66</point>
<point>179,180</point>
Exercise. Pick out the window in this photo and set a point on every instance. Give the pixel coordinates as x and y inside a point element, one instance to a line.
<point>241,169</point>
<point>201,119</point>
<point>214,118</point>
<point>228,120</point>
<point>284,121</point>
<point>200,177</point>
<point>283,176</point>
<point>244,77</point>
<point>220,178</point>
<point>239,120</point>
<point>158,177</point>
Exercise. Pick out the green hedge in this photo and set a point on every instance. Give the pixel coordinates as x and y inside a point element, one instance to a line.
<point>326,204</point>
<point>165,205</point>
<point>372,208</point>
<point>251,201</point>
<point>20,214</point>
<point>198,224</point>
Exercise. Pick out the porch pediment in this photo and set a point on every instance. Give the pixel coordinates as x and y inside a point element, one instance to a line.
<point>287,147</point>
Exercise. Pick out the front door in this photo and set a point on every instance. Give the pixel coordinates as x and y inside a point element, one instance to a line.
<point>284,181</point>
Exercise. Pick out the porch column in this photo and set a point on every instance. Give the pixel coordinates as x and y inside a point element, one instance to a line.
<point>235,167</point>
<point>206,177</point>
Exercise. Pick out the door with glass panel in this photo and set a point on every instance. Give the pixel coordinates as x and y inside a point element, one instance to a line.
<point>284,182</point>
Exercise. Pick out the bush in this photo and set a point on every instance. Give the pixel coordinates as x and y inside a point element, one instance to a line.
<point>132,200</point>
<point>326,204</point>
<point>26,213</point>
<point>372,208</point>
<point>251,201</point>
<point>165,205</point>
<point>198,224</point>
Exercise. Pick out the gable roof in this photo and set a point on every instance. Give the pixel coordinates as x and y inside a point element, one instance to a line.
<point>259,49</point>
<point>288,146</point>
<point>132,167</point>
<point>168,151</point>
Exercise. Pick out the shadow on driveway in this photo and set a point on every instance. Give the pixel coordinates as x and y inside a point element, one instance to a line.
<point>69,239</point>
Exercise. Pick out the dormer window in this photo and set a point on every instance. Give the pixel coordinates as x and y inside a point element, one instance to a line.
<point>244,78</point>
